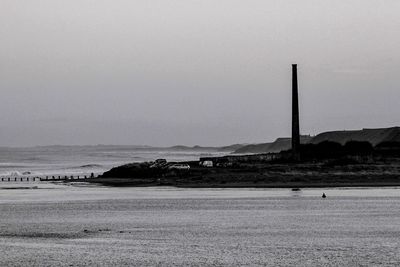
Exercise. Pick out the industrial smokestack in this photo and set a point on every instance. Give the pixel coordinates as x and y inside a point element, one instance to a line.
<point>295,113</point>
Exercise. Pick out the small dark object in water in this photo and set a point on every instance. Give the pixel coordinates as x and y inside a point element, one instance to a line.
<point>323,195</point>
<point>296,189</point>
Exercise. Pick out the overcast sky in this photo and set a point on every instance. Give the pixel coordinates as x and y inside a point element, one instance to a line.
<point>208,72</point>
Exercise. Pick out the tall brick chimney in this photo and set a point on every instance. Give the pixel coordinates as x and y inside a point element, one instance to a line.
<point>295,113</point>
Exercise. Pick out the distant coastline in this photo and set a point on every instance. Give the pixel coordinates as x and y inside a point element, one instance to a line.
<point>369,157</point>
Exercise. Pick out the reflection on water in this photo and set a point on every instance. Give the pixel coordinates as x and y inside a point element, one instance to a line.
<point>77,225</point>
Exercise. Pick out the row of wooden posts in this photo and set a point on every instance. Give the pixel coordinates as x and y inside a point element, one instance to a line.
<point>47,178</point>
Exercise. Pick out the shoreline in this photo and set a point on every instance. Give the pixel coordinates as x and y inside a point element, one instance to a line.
<point>123,182</point>
<point>249,173</point>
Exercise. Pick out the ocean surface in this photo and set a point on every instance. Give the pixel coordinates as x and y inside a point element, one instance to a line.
<point>83,160</point>
<point>50,224</point>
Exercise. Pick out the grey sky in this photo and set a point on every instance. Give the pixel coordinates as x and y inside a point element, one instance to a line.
<point>193,72</point>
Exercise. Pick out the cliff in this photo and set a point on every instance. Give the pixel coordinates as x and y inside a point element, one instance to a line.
<point>229,148</point>
<point>373,136</point>
<point>280,144</point>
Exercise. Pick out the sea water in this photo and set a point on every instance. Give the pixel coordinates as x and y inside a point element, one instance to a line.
<point>82,225</point>
<point>83,160</point>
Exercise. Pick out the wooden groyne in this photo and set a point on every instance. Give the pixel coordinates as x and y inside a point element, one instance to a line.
<point>19,179</point>
<point>48,178</point>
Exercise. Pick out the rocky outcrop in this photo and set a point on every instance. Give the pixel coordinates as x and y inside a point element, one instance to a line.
<point>132,170</point>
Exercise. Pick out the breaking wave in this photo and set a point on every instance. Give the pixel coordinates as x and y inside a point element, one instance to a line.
<point>60,161</point>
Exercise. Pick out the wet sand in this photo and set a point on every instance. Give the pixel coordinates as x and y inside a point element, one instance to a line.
<point>64,225</point>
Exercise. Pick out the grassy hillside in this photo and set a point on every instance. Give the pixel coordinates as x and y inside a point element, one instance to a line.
<point>373,136</point>
<point>278,145</point>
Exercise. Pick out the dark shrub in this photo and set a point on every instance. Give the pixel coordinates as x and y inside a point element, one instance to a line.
<point>388,145</point>
<point>341,162</point>
<point>391,148</point>
<point>358,147</point>
<point>329,147</point>
<point>323,150</point>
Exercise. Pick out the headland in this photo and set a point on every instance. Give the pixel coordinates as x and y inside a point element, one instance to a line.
<point>326,164</point>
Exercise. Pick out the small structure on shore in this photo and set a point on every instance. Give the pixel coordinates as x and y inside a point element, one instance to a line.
<point>229,160</point>
<point>207,163</point>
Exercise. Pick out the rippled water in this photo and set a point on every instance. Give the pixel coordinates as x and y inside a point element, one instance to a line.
<point>98,226</point>
<point>83,160</point>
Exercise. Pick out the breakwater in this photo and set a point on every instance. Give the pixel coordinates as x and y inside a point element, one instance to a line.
<point>48,178</point>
